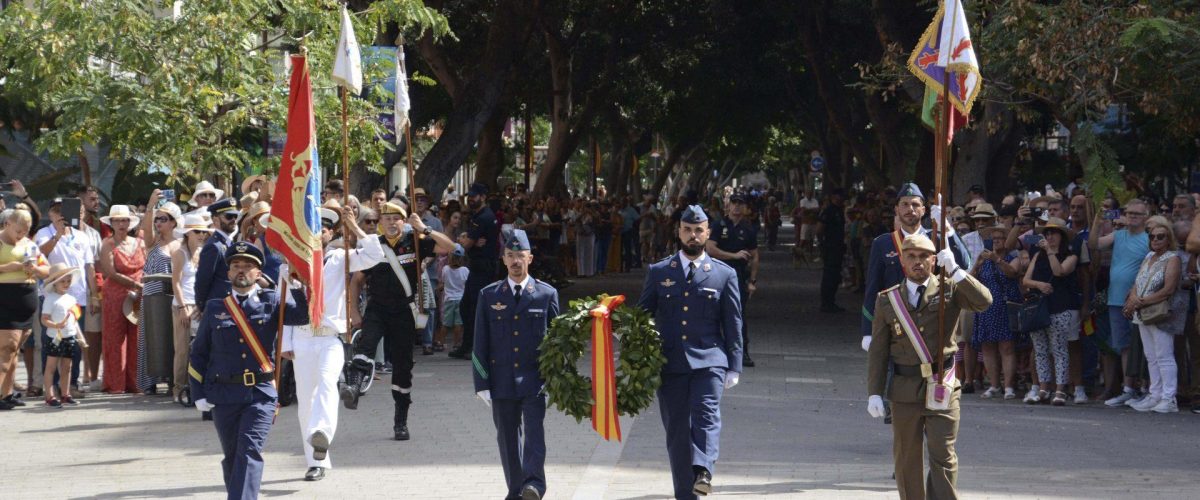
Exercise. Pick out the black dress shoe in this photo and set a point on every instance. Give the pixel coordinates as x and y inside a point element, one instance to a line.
<point>314,474</point>
<point>206,416</point>
<point>746,361</point>
<point>459,354</point>
<point>530,493</point>
<point>320,443</point>
<point>14,400</point>
<point>703,484</point>
<point>401,432</point>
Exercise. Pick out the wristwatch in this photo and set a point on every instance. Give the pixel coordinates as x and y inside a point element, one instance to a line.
<point>427,231</point>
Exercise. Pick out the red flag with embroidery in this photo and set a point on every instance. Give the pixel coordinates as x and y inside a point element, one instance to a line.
<point>295,227</point>
<point>605,417</point>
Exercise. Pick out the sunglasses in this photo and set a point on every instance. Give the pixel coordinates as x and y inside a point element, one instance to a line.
<point>206,195</point>
<point>162,219</point>
<point>1158,237</point>
<point>204,233</point>
<point>229,216</point>
<point>370,221</point>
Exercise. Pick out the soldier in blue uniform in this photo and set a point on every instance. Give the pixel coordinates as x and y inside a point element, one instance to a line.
<point>735,242</point>
<point>211,272</point>
<point>698,311</point>
<point>883,268</point>
<point>231,366</point>
<point>511,318</point>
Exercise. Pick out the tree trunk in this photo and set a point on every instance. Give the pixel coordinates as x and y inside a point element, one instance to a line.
<point>489,156</point>
<point>479,97</point>
<point>986,152</point>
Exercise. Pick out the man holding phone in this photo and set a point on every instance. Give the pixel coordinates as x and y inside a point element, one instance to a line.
<point>63,244</point>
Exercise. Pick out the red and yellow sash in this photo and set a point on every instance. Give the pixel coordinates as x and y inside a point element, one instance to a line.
<point>243,327</point>
<point>605,417</point>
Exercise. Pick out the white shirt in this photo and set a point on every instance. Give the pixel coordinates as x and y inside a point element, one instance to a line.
<point>74,250</point>
<point>524,284</point>
<point>58,307</point>
<point>913,294</point>
<point>685,260</point>
<point>367,255</point>
<point>810,203</point>
<point>454,281</point>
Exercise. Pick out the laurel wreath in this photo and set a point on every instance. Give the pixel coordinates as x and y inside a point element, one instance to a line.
<point>638,368</point>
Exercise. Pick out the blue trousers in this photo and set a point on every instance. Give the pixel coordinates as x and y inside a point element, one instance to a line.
<point>690,404</point>
<point>243,429</point>
<point>524,460</point>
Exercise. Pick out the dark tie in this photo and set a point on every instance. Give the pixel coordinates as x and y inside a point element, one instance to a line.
<point>517,293</point>
<point>691,271</point>
<point>920,295</point>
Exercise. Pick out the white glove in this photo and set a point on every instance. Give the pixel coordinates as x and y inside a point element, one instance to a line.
<point>945,258</point>
<point>203,406</point>
<point>866,342</point>
<point>875,406</point>
<point>935,215</point>
<point>731,379</point>
<point>486,396</point>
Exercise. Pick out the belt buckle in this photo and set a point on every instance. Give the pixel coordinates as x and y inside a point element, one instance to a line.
<point>248,379</point>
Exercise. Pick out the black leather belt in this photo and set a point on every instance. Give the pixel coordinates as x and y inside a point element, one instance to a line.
<point>915,370</point>
<point>248,379</point>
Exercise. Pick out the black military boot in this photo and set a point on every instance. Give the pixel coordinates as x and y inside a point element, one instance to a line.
<point>400,426</point>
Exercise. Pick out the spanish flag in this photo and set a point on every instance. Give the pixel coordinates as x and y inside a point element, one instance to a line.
<point>605,417</point>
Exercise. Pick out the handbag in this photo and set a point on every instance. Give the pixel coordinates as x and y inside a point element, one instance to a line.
<point>1155,313</point>
<point>1031,314</point>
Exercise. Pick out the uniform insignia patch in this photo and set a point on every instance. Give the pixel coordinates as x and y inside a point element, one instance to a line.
<point>223,316</point>
<point>499,307</point>
<point>892,255</point>
<point>674,264</point>
<point>707,267</point>
<point>667,283</point>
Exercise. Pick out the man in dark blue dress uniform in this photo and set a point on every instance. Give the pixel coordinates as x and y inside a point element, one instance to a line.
<point>232,363</point>
<point>211,272</point>
<point>735,242</point>
<point>698,311</point>
<point>483,250</point>
<point>511,319</point>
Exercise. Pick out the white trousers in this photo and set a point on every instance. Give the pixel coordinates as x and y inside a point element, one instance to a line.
<point>318,364</point>
<point>1160,358</point>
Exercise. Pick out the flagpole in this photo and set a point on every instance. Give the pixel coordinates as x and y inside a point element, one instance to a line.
<point>940,168</point>
<point>279,340</point>
<point>412,200</point>
<point>345,206</point>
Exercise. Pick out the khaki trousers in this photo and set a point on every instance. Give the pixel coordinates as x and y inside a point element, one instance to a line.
<point>913,429</point>
<point>182,320</point>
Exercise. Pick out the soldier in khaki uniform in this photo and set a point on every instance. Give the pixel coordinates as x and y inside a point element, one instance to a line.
<point>890,343</point>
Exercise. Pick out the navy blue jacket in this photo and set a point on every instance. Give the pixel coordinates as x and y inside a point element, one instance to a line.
<point>212,274</point>
<point>508,335</point>
<point>220,353</point>
<point>701,323</point>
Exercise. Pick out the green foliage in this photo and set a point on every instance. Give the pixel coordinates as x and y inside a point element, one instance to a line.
<point>1101,170</point>
<point>175,92</point>
<point>638,368</point>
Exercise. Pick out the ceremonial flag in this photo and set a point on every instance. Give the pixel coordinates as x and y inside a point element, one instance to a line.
<point>401,100</point>
<point>605,417</point>
<point>945,54</point>
<point>347,64</point>
<point>295,227</point>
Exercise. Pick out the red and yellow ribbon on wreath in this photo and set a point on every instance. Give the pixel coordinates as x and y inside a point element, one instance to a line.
<point>605,418</point>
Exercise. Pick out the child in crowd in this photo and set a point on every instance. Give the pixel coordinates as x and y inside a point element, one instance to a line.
<point>453,282</point>
<point>60,317</point>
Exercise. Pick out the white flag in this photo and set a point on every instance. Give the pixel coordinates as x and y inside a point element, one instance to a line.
<point>347,65</point>
<point>956,53</point>
<point>402,102</point>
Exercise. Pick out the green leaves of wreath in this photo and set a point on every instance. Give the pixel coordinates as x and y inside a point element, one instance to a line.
<point>638,368</point>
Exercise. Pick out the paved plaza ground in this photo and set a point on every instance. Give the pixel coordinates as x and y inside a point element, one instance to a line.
<point>796,427</point>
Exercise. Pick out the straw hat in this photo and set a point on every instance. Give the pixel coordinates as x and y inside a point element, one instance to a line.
<point>131,307</point>
<point>984,211</point>
<point>250,181</point>
<point>194,221</point>
<point>58,272</point>
<point>173,210</point>
<point>331,211</point>
<point>121,212</point>
<point>1056,224</point>
<point>256,212</point>
<point>205,187</point>
<point>986,231</point>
